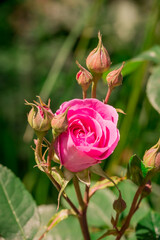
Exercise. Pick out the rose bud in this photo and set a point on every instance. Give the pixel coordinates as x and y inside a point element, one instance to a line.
<point>40,116</point>
<point>115,77</point>
<point>98,61</point>
<point>119,205</point>
<point>147,189</point>
<point>59,123</point>
<point>84,77</point>
<point>151,157</point>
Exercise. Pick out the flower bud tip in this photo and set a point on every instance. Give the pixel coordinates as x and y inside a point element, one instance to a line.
<point>98,61</point>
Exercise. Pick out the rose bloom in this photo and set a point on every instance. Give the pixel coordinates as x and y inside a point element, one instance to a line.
<point>91,136</point>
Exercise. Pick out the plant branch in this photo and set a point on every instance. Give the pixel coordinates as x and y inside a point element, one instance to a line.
<point>83,210</point>
<point>131,212</point>
<point>78,193</point>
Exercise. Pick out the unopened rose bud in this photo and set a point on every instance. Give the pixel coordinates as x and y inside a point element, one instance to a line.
<point>151,157</point>
<point>147,189</point>
<point>59,123</point>
<point>84,77</point>
<point>40,116</point>
<point>115,77</point>
<point>119,205</point>
<point>98,61</point>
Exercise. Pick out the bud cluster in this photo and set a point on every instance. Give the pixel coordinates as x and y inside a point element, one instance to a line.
<point>41,118</point>
<point>98,61</point>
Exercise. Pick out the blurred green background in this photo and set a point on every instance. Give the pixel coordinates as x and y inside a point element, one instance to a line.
<point>39,44</point>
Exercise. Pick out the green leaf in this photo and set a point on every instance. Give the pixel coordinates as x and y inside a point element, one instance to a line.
<point>153,55</point>
<point>19,218</point>
<point>136,170</point>
<point>66,229</point>
<point>104,184</point>
<point>149,227</point>
<point>153,89</point>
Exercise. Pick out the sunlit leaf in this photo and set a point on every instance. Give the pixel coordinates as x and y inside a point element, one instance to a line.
<point>19,217</point>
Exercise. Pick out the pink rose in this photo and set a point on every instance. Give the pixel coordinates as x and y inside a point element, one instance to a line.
<point>91,136</point>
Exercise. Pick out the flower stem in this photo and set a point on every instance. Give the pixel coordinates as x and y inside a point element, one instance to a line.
<point>84,94</point>
<point>78,192</point>
<point>50,154</point>
<point>84,225</point>
<point>95,80</point>
<point>82,217</point>
<point>38,153</point>
<point>131,212</point>
<point>108,95</point>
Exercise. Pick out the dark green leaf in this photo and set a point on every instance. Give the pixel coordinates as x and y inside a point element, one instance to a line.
<point>19,217</point>
<point>153,89</point>
<point>136,170</point>
<point>149,227</point>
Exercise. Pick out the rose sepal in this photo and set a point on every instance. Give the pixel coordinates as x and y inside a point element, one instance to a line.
<point>84,177</point>
<point>62,179</point>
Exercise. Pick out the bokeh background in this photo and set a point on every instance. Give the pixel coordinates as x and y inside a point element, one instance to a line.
<point>40,41</point>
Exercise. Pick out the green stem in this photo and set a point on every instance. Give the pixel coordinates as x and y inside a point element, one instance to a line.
<point>83,210</point>
<point>78,192</point>
<point>95,80</point>
<point>50,154</point>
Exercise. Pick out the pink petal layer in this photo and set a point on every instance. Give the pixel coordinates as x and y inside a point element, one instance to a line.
<point>106,111</point>
<point>70,157</point>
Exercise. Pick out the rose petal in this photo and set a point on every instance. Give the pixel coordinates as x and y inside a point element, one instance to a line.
<point>70,156</point>
<point>102,152</point>
<point>106,111</point>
